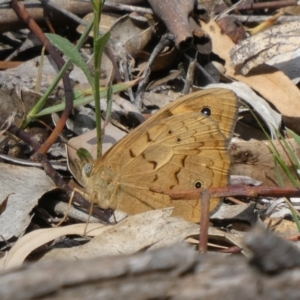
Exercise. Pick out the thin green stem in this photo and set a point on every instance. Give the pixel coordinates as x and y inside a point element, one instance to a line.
<point>97,5</point>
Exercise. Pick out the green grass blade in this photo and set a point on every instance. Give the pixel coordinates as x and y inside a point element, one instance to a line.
<point>79,100</point>
<point>39,105</point>
<point>284,167</point>
<point>277,169</point>
<point>295,136</point>
<point>109,104</point>
<point>72,53</point>
<point>294,213</point>
<point>101,43</point>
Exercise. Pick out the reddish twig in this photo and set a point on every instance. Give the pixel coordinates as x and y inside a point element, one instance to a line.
<point>241,191</point>
<point>204,221</point>
<point>23,14</point>
<point>232,250</point>
<point>236,191</point>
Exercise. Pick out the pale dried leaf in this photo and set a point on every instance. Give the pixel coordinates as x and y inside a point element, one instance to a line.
<point>243,180</point>
<point>20,76</point>
<point>150,230</point>
<point>27,185</point>
<point>130,235</point>
<point>278,208</point>
<point>288,63</point>
<point>33,240</point>
<point>261,47</point>
<point>7,122</point>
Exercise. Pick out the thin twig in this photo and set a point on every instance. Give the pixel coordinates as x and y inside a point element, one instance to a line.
<point>165,40</point>
<point>267,5</point>
<point>189,80</point>
<point>24,162</point>
<point>205,74</point>
<point>259,19</point>
<point>124,7</point>
<point>64,11</point>
<point>228,10</point>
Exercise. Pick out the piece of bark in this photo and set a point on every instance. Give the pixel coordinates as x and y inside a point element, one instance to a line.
<point>170,273</point>
<point>271,253</point>
<point>9,20</point>
<point>175,14</point>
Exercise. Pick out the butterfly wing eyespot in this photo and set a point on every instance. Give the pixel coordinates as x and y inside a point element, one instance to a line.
<point>88,168</point>
<point>206,111</point>
<point>198,184</point>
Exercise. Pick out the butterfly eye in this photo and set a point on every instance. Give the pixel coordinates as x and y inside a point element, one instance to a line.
<point>198,184</point>
<point>88,168</point>
<point>206,111</point>
<point>170,132</point>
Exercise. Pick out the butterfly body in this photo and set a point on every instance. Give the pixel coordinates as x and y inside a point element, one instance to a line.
<point>179,148</point>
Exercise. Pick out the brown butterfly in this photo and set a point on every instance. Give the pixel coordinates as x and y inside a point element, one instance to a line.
<point>183,146</point>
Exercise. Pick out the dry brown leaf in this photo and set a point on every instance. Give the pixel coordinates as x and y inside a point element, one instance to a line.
<point>261,47</point>
<point>272,84</point>
<point>254,159</point>
<point>282,227</point>
<point>163,61</point>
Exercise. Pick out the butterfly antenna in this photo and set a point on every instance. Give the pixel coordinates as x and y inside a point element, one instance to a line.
<point>68,210</point>
<point>88,219</point>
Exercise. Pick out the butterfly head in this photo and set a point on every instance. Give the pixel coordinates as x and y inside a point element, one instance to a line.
<point>99,187</point>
